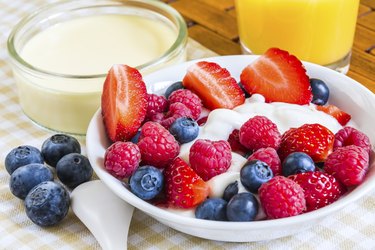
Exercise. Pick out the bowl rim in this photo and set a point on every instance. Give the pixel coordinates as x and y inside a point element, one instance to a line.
<point>177,47</point>
<point>165,215</point>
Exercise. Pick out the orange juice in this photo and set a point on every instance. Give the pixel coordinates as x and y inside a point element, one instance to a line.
<point>319,31</point>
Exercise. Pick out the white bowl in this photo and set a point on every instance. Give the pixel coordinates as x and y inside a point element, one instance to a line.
<point>345,93</point>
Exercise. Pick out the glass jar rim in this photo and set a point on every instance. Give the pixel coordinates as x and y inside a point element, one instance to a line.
<point>176,48</point>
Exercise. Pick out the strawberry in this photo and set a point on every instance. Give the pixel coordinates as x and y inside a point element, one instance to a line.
<point>183,187</point>
<point>341,116</point>
<point>214,85</point>
<point>123,102</point>
<point>279,77</point>
<point>320,188</point>
<point>312,139</point>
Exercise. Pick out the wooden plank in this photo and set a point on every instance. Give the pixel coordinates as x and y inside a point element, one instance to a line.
<point>368,20</point>
<point>213,41</point>
<point>214,19</point>
<point>363,9</point>
<point>362,80</point>
<point>364,38</point>
<point>369,3</point>
<point>221,4</point>
<point>363,64</point>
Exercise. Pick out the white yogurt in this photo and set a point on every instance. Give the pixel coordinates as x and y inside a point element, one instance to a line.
<point>221,122</point>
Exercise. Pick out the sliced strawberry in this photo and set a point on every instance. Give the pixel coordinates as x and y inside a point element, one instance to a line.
<point>214,85</point>
<point>341,116</point>
<point>279,77</point>
<point>183,187</point>
<point>123,103</point>
<point>312,139</point>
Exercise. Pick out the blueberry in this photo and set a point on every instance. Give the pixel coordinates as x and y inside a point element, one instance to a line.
<point>135,138</point>
<point>320,91</point>
<point>242,207</point>
<point>184,129</point>
<point>247,95</point>
<point>47,203</point>
<point>254,173</point>
<point>212,209</point>
<point>24,178</point>
<point>73,169</point>
<point>173,87</point>
<point>297,162</point>
<point>146,182</point>
<point>58,145</point>
<point>21,156</point>
<point>230,191</point>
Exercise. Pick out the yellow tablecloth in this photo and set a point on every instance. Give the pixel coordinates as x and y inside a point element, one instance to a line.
<point>351,228</point>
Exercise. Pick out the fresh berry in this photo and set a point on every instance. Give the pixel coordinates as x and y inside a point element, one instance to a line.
<point>320,91</point>
<point>212,209</point>
<point>183,187</point>
<point>320,188</point>
<point>157,117</point>
<point>234,142</point>
<point>214,85</point>
<point>176,110</point>
<point>242,207</point>
<point>254,173</point>
<point>24,178</point>
<point>210,158</point>
<point>341,116</point>
<point>348,164</point>
<point>58,145</point>
<point>21,156</point>
<point>184,129</point>
<point>135,138</point>
<point>155,104</point>
<point>270,157</point>
<point>173,87</point>
<point>282,197</point>
<point>189,99</point>
<point>123,102</point>
<point>146,182</point>
<point>230,191</point>
<point>202,121</point>
<point>279,77</point>
<point>47,203</point>
<point>259,132</point>
<point>297,162</point>
<point>121,159</point>
<point>74,169</point>
<point>157,146</point>
<point>351,136</point>
<point>313,139</point>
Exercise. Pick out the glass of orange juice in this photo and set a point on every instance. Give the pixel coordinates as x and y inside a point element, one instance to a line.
<point>318,31</point>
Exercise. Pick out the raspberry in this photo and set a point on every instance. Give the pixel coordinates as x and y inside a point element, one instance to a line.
<point>210,158</point>
<point>158,147</point>
<point>320,188</point>
<point>259,132</point>
<point>348,164</point>
<point>202,121</point>
<point>176,110</point>
<point>157,117</point>
<point>281,197</point>
<point>351,136</point>
<point>121,159</point>
<point>155,104</point>
<point>270,157</point>
<point>234,142</point>
<point>191,101</point>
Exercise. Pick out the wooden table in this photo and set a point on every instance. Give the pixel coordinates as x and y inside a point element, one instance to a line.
<point>213,24</point>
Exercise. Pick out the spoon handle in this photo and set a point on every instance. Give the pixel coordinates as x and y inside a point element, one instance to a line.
<point>103,213</point>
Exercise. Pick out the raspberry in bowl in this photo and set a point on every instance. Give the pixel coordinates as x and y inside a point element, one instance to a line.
<point>263,159</point>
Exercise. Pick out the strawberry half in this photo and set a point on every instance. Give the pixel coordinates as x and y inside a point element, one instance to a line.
<point>341,116</point>
<point>312,139</point>
<point>279,77</point>
<point>214,85</point>
<point>183,187</point>
<point>123,103</point>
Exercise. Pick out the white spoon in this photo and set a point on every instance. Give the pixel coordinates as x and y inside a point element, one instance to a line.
<point>104,214</point>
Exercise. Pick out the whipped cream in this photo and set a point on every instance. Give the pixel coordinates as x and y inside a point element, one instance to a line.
<point>221,122</point>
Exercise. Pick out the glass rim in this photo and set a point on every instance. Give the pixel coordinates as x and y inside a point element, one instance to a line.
<point>176,48</point>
